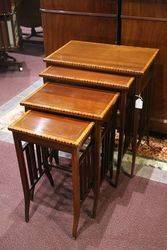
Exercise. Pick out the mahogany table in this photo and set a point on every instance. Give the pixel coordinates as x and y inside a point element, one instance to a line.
<point>98,80</point>
<point>43,131</point>
<point>125,60</point>
<point>98,106</point>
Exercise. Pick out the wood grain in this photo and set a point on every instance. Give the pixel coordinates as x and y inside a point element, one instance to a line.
<point>59,129</point>
<point>87,78</point>
<point>72,100</point>
<point>109,58</point>
<point>60,27</point>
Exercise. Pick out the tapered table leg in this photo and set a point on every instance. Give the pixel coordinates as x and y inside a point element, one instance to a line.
<point>97,167</point>
<point>23,175</point>
<point>76,191</point>
<point>121,135</point>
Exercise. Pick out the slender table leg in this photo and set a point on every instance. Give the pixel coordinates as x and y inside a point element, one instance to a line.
<point>97,168</point>
<point>76,190</point>
<point>134,139</point>
<point>136,117</point>
<point>137,114</point>
<point>121,135</point>
<point>23,175</point>
<point>112,141</point>
<point>135,126</point>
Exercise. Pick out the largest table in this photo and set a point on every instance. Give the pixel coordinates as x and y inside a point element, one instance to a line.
<point>125,60</point>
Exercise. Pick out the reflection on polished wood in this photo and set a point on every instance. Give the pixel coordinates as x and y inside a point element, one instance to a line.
<point>85,77</point>
<point>51,127</point>
<point>105,57</point>
<point>72,100</point>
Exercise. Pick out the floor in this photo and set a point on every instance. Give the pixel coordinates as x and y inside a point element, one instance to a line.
<point>12,82</point>
<point>133,216</point>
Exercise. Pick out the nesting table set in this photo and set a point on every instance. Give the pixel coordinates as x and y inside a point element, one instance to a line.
<point>89,91</point>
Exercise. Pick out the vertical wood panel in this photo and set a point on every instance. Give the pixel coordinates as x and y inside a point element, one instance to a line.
<point>142,26</point>
<point>61,28</point>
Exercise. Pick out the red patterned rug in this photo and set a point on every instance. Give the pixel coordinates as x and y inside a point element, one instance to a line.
<point>156,149</point>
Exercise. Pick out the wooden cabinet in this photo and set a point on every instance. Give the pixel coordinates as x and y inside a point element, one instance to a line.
<point>88,20</point>
<point>144,23</point>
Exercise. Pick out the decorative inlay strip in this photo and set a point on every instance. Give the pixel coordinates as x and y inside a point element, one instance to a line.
<point>109,69</point>
<point>57,139</point>
<point>88,82</point>
<point>64,111</point>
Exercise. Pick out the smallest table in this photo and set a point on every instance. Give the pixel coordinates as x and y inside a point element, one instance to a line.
<point>45,131</point>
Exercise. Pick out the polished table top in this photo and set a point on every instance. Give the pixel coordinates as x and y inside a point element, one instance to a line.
<point>72,100</point>
<point>105,57</point>
<point>86,77</point>
<point>53,127</point>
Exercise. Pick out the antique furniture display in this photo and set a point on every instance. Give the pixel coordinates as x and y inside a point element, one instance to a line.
<point>9,33</point>
<point>126,60</point>
<point>87,88</point>
<point>75,119</point>
<point>89,20</point>
<point>42,133</point>
<point>98,80</point>
<point>144,23</point>
<point>94,105</point>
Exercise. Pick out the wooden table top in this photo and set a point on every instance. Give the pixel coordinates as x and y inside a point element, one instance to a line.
<point>47,126</point>
<point>72,100</point>
<point>85,77</point>
<point>105,57</point>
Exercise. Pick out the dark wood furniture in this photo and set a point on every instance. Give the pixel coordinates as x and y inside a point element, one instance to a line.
<point>98,80</point>
<point>28,14</point>
<point>86,77</point>
<point>42,132</point>
<point>144,23</point>
<point>85,103</point>
<point>89,20</point>
<point>126,60</point>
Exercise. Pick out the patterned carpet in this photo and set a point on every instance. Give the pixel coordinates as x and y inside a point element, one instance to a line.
<point>155,149</point>
<point>131,216</point>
